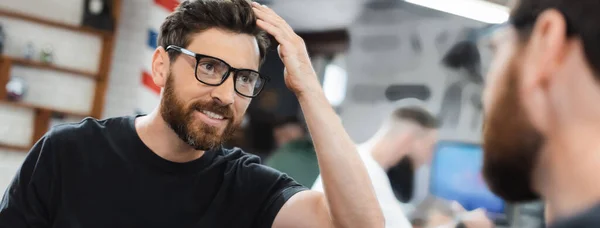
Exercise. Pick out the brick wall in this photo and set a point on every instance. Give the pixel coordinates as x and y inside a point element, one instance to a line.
<point>74,50</point>
<point>129,57</point>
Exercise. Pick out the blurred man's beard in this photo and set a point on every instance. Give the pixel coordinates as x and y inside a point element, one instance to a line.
<point>195,133</point>
<point>511,143</point>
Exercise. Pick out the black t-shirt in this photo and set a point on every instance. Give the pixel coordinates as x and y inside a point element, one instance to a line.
<point>100,174</point>
<point>587,219</point>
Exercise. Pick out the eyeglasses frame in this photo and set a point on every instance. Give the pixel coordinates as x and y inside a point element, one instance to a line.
<point>231,69</point>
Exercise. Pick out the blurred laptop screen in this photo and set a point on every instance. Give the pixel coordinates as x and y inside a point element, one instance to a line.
<point>456,175</point>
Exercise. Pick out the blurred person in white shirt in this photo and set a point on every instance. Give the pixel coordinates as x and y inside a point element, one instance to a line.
<point>409,133</point>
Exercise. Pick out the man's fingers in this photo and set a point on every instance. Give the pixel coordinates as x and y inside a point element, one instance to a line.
<point>477,219</point>
<point>270,20</point>
<point>269,16</point>
<point>267,10</point>
<point>273,24</point>
<point>480,212</point>
<point>279,35</point>
<point>281,25</point>
<point>279,51</point>
<point>271,29</point>
<point>281,38</point>
<point>457,207</point>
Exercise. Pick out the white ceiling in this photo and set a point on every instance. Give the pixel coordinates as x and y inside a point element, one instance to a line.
<point>318,15</point>
<point>323,15</point>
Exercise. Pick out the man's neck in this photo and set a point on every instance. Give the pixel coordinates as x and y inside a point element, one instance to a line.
<point>374,148</point>
<point>162,140</point>
<point>567,172</point>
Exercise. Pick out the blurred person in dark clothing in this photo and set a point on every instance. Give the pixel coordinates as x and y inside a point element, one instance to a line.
<point>542,118</point>
<point>261,117</point>
<point>295,154</point>
<point>288,129</point>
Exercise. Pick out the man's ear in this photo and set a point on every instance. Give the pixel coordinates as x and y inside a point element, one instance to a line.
<point>544,53</point>
<point>160,66</point>
<point>547,46</point>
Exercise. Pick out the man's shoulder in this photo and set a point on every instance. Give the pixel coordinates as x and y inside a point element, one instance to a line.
<point>86,127</point>
<point>248,167</point>
<point>257,185</point>
<point>237,155</point>
<point>87,133</point>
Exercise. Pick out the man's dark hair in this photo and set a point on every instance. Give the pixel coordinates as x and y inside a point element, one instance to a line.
<point>581,16</point>
<point>417,115</point>
<point>194,16</point>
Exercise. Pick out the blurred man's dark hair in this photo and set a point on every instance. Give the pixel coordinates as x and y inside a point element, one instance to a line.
<point>288,129</point>
<point>194,16</point>
<point>581,17</point>
<point>418,115</point>
<point>287,120</point>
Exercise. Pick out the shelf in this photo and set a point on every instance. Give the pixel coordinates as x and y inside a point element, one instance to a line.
<point>31,106</point>
<point>48,66</point>
<point>11,147</point>
<point>43,115</point>
<point>82,29</point>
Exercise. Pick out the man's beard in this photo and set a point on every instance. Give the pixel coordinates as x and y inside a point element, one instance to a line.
<point>511,144</point>
<point>180,118</point>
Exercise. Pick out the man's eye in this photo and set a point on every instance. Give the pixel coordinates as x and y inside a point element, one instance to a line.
<point>246,79</point>
<point>208,66</point>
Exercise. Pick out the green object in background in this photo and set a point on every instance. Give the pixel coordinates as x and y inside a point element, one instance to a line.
<point>47,54</point>
<point>298,160</point>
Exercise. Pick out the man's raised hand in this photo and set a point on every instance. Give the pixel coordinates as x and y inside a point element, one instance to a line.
<point>299,73</point>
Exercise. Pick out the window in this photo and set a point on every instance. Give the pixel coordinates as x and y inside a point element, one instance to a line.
<point>334,84</point>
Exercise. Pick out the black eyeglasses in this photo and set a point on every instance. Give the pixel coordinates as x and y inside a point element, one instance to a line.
<point>213,71</point>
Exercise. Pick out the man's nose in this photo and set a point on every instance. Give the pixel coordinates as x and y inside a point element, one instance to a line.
<point>224,94</point>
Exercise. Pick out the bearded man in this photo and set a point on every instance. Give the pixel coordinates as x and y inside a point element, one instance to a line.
<point>542,118</point>
<point>168,168</point>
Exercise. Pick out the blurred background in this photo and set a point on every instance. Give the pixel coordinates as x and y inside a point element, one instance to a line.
<point>63,60</point>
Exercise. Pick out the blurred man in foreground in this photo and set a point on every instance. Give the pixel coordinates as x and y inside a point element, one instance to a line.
<point>409,133</point>
<point>542,118</point>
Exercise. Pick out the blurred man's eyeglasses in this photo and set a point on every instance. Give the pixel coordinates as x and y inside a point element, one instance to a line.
<point>213,71</point>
